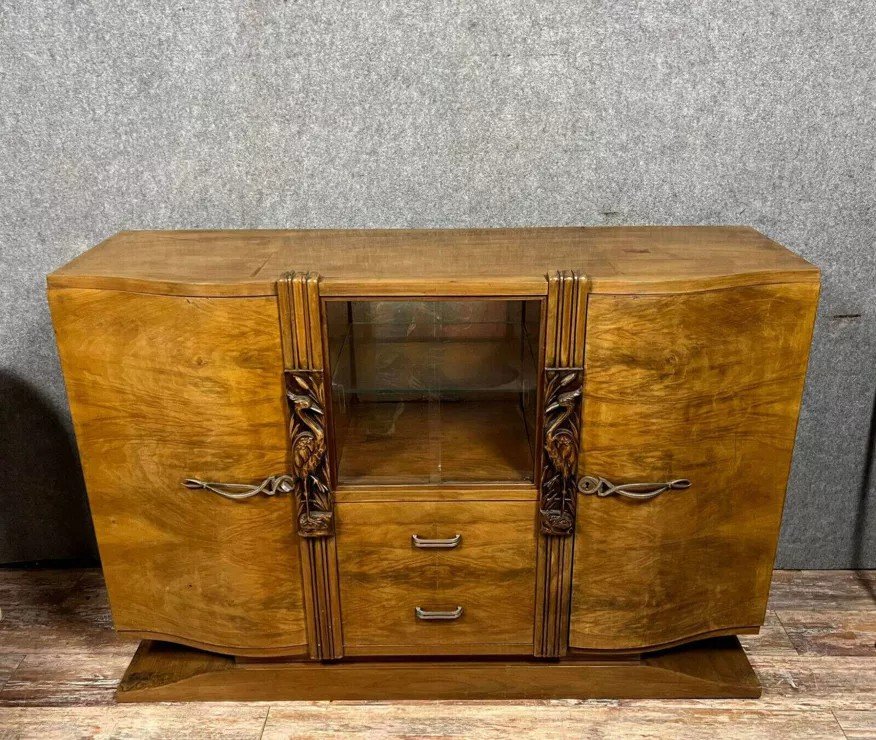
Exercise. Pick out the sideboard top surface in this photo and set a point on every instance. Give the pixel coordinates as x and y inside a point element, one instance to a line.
<point>382,262</point>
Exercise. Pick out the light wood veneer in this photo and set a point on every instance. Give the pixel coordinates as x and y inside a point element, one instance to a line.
<point>489,574</point>
<point>418,442</point>
<point>157,399</point>
<point>707,387</point>
<point>434,262</point>
<point>651,355</point>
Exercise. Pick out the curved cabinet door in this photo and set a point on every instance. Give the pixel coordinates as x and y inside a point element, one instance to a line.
<point>167,388</point>
<point>703,386</point>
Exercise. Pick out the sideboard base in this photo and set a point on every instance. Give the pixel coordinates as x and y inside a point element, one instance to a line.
<point>715,668</point>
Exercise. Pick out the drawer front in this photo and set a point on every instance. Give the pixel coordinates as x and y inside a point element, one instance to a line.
<point>474,596</point>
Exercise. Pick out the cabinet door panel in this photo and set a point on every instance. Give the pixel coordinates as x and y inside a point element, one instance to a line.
<point>166,388</point>
<point>704,386</point>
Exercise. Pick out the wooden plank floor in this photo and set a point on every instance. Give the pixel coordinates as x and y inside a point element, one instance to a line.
<point>60,662</point>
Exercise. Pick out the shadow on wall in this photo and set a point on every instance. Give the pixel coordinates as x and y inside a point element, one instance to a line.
<point>864,524</point>
<point>43,509</point>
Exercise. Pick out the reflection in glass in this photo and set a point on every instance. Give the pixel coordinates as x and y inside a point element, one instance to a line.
<point>433,391</point>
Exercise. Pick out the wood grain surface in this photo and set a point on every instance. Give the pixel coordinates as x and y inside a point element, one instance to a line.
<point>378,262</point>
<point>805,695</point>
<point>304,342</point>
<point>703,386</point>
<point>161,672</point>
<point>490,574</point>
<point>162,389</point>
<point>559,434</point>
<point>408,442</point>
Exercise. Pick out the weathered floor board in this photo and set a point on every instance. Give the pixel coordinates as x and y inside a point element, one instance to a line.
<point>60,662</point>
<point>857,724</point>
<point>176,721</point>
<point>503,721</point>
<point>831,632</point>
<point>772,640</point>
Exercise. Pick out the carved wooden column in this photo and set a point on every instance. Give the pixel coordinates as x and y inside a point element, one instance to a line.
<point>562,383</point>
<point>309,425</point>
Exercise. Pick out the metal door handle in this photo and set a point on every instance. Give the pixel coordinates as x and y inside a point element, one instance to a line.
<point>594,484</point>
<point>430,616</point>
<point>426,544</point>
<point>270,486</point>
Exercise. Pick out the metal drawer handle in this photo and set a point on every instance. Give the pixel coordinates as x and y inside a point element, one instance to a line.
<point>425,544</point>
<point>428,616</point>
<point>594,484</point>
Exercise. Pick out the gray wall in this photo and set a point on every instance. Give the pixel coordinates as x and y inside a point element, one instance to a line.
<point>227,113</point>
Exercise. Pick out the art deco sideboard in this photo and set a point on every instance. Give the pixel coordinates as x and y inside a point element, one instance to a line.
<point>544,462</point>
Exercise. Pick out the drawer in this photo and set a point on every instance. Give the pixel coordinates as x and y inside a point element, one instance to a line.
<point>385,577</point>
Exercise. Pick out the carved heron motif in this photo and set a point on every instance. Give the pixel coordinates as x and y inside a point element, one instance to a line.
<point>307,432</point>
<point>561,432</point>
<point>308,445</point>
<point>560,441</point>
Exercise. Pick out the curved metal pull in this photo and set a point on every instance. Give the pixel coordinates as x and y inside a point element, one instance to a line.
<point>425,544</point>
<point>270,486</point>
<point>431,616</point>
<point>593,484</point>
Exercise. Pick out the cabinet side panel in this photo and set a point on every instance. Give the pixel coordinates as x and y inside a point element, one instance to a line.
<point>162,389</point>
<point>700,386</point>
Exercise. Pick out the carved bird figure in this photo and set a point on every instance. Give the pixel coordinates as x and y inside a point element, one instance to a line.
<point>307,444</point>
<point>560,443</point>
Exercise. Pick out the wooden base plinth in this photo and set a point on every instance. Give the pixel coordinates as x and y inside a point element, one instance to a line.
<point>714,668</point>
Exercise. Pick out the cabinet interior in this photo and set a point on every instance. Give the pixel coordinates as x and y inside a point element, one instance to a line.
<point>433,392</point>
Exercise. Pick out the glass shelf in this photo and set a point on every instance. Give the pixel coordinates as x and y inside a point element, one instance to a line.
<point>386,360</point>
<point>428,392</point>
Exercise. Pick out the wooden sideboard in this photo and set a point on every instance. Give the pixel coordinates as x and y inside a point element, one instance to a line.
<point>542,462</point>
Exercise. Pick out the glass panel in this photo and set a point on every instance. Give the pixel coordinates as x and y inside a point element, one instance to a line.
<point>434,391</point>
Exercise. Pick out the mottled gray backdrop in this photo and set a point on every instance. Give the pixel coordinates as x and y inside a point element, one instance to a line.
<point>233,113</point>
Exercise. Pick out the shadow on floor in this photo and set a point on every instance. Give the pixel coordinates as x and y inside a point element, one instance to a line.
<point>43,510</point>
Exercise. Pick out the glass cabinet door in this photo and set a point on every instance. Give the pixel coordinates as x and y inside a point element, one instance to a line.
<point>434,392</point>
